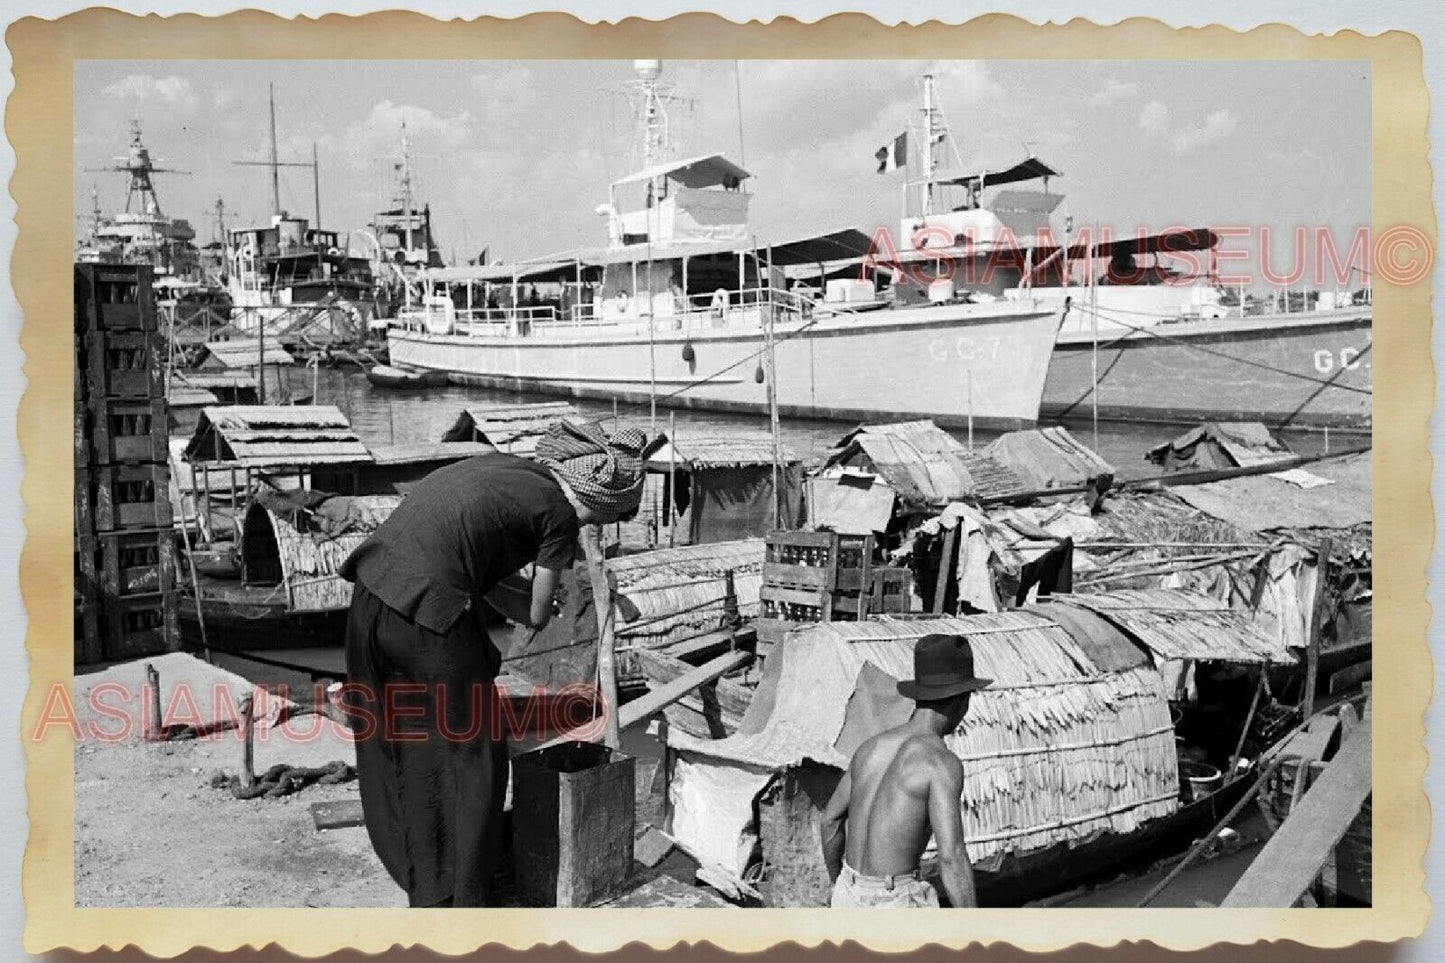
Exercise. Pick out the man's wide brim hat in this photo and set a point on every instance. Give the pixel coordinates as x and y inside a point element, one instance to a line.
<point>942,668</point>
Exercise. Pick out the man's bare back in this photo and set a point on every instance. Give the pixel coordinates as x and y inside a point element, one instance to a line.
<point>893,775</point>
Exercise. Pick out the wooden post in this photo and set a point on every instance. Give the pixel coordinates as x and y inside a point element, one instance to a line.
<point>672,476</point>
<point>731,617</point>
<point>153,729</point>
<point>606,643</point>
<point>1248,721</point>
<point>248,745</point>
<point>1312,650</point>
<point>945,568</point>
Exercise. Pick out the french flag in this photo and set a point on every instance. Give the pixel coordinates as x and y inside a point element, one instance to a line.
<point>893,156</point>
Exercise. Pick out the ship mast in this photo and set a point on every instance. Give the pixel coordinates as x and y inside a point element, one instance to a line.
<point>275,163</point>
<point>138,164</point>
<point>405,168</point>
<point>930,130</point>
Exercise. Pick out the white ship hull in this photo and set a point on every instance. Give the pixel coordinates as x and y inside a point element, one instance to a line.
<point>954,363</point>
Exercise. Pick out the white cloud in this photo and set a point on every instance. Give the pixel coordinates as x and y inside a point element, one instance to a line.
<point>1216,126</point>
<point>1154,118</point>
<point>175,92</point>
<point>1114,90</point>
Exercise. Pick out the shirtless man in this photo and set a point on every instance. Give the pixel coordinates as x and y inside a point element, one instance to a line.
<point>903,786</point>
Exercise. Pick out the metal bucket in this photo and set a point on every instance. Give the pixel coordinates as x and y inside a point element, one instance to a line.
<point>1197,780</point>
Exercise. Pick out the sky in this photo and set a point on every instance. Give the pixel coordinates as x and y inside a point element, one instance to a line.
<point>515,156</point>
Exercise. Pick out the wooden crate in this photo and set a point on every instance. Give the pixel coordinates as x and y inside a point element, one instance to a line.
<point>814,577</point>
<point>573,821</point>
<point>127,431</point>
<point>114,297</point>
<point>89,648</point>
<point>140,625</point>
<point>136,562</point>
<point>130,496</point>
<point>123,364</point>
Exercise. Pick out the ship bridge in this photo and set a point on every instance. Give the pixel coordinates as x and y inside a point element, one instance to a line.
<point>693,200</point>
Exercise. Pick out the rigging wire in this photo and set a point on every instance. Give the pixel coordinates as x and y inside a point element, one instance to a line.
<point>1274,369</point>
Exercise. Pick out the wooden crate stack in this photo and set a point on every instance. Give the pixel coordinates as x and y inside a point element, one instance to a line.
<point>124,545</point>
<point>825,577</point>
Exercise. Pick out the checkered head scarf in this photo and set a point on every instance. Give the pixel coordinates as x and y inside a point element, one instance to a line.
<point>604,473</point>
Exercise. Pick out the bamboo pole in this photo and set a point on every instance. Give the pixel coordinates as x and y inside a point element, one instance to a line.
<point>606,642</point>
<point>1248,720</point>
<point>671,478</point>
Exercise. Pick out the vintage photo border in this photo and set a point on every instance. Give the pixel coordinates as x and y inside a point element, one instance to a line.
<point>38,124</point>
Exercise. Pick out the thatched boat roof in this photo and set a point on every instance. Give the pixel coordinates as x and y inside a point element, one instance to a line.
<point>674,593</point>
<point>1057,750</point>
<point>1219,444</point>
<point>513,429</point>
<point>1175,624</point>
<point>924,464</point>
<point>271,436</point>
<point>1048,458</point>
<point>1338,496</point>
<point>243,353</point>
<point>310,545</point>
<point>427,451</point>
<point>730,451</point>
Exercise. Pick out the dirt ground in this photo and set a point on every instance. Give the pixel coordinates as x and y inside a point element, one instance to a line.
<point>150,830</point>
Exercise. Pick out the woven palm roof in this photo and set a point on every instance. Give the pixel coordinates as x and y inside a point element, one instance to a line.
<point>1055,750</point>
<point>513,429</point>
<point>1175,624</point>
<point>729,451</point>
<point>427,451</point>
<point>272,436</point>
<point>310,557</point>
<point>924,464</point>
<point>671,593</point>
<point>1048,458</point>
<point>244,353</point>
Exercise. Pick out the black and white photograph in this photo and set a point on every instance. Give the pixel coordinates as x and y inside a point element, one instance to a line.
<point>723,484</point>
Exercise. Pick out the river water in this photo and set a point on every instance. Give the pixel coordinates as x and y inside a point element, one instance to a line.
<point>382,416</point>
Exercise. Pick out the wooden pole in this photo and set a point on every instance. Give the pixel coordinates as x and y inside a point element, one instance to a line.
<point>606,643</point>
<point>154,729</point>
<point>671,478</point>
<point>1317,610</point>
<point>248,745</point>
<point>945,568</point>
<point>1248,720</point>
<point>1209,837</point>
<point>195,582</point>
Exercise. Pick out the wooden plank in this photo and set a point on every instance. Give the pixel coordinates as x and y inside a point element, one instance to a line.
<point>704,647</point>
<point>798,576</point>
<point>774,593</point>
<point>659,698</point>
<point>663,669</point>
<point>801,539</point>
<point>342,814</point>
<point>606,640</point>
<point>1350,676</point>
<point>1292,858</point>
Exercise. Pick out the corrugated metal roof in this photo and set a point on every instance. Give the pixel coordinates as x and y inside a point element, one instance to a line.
<point>720,452</point>
<point>1047,458</point>
<point>426,451</point>
<point>258,436</point>
<point>246,353</point>
<point>513,429</point>
<point>1174,624</point>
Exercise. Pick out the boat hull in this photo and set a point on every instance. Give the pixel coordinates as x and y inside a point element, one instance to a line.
<point>1288,371</point>
<point>951,363</point>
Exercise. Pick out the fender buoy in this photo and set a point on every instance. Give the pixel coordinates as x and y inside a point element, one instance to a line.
<point>688,354</point>
<point>758,375</point>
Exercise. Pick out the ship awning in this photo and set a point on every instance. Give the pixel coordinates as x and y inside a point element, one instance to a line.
<point>707,170</point>
<point>840,245</point>
<point>1026,170</point>
<point>523,271</point>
